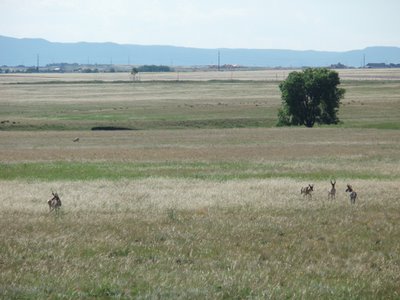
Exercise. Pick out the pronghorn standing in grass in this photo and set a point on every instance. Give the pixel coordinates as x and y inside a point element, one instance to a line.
<point>332,192</point>
<point>306,191</point>
<point>353,194</point>
<point>54,203</point>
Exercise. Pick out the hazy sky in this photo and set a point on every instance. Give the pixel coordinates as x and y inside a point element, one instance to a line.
<point>269,24</point>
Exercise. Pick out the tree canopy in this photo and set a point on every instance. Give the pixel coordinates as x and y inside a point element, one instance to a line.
<point>309,97</point>
<point>154,68</point>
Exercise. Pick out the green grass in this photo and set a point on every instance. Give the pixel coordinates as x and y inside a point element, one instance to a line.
<point>389,125</point>
<point>155,105</point>
<point>371,104</point>
<point>149,105</point>
<point>296,169</point>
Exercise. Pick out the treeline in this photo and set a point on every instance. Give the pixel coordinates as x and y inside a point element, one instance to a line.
<point>154,68</point>
<point>77,68</point>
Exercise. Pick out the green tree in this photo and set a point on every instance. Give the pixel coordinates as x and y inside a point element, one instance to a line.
<point>134,72</point>
<point>309,97</point>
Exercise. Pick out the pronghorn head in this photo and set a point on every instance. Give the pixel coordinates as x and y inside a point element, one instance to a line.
<point>311,187</point>
<point>349,188</point>
<point>333,183</point>
<point>55,196</point>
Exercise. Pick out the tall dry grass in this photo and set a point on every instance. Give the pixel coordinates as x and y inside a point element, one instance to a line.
<point>153,196</point>
<point>162,238</point>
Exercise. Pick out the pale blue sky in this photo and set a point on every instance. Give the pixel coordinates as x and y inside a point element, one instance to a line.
<point>335,25</point>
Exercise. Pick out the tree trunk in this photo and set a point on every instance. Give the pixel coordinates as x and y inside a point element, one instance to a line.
<point>309,123</point>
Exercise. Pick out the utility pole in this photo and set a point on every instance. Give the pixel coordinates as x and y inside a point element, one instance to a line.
<point>219,60</point>
<point>37,62</point>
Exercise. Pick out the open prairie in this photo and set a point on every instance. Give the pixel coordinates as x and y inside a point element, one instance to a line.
<point>68,105</point>
<point>199,197</point>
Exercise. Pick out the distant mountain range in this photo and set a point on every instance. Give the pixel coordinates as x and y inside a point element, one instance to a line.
<point>14,52</point>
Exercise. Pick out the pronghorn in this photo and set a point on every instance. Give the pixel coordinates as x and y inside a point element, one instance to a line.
<point>332,192</point>
<point>75,139</point>
<point>54,203</point>
<point>353,194</point>
<point>306,191</point>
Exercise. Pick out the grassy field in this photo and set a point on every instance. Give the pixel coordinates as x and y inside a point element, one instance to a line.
<point>143,105</point>
<point>170,104</point>
<point>201,198</point>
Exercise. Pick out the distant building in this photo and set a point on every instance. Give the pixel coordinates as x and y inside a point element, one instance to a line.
<point>381,66</point>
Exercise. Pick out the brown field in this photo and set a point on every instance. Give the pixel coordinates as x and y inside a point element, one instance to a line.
<point>253,145</point>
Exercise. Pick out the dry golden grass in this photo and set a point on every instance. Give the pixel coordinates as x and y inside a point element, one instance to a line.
<point>199,239</point>
<point>152,197</point>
